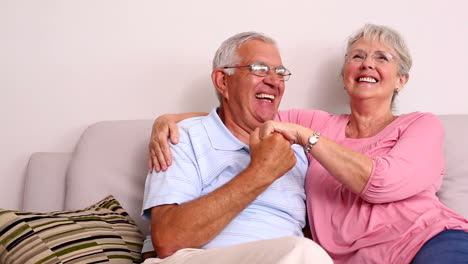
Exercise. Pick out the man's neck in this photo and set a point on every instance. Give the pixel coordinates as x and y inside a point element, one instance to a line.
<point>241,133</point>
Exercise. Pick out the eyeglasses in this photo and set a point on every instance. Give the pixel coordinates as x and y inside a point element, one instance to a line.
<point>262,70</point>
<point>378,57</point>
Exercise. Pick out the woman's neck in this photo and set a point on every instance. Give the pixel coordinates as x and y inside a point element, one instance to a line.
<point>367,122</point>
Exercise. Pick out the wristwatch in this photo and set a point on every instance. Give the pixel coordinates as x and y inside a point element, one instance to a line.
<point>312,141</point>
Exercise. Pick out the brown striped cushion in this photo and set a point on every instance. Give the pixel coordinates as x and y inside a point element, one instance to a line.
<point>100,233</point>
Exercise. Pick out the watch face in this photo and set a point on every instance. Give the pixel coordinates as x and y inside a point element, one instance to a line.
<point>313,140</point>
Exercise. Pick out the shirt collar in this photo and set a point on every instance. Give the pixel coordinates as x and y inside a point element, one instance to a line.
<point>220,137</point>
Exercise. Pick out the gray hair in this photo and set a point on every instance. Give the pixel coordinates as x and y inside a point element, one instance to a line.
<point>227,55</point>
<point>389,37</point>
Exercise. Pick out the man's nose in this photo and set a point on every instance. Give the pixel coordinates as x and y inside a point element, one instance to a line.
<point>273,79</point>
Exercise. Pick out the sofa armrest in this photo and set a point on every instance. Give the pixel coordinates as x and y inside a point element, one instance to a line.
<point>44,187</point>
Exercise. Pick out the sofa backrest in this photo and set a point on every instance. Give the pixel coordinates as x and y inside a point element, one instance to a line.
<point>454,190</point>
<point>110,158</point>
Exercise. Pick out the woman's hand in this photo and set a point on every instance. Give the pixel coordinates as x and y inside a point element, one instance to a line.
<point>165,127</point>
<point>296,134</point>
<point>160,157</point>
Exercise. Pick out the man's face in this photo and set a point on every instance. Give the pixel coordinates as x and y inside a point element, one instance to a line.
<point>251,99</point>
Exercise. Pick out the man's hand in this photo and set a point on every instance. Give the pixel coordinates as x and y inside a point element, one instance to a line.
<point>272,155</point>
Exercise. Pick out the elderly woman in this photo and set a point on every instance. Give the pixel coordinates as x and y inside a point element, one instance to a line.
<point>373,176</point>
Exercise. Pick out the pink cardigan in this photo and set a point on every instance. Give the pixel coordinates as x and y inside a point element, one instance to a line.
<point>398,210</point>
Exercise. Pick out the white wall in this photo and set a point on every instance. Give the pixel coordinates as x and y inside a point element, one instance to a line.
<point>67,64</point>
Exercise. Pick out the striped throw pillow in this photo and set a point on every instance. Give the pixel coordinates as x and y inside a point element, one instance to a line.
<point>103,232</point>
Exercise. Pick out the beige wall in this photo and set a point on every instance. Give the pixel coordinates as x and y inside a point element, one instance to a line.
<point>67,64</point>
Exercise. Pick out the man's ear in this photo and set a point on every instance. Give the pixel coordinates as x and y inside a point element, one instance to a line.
<point>219,78</point>
<point>401,81</point>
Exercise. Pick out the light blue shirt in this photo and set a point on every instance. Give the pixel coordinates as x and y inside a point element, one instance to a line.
<point>208,156</point>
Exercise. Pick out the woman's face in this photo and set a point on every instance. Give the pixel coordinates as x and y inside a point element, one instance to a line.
<point>371,71</point>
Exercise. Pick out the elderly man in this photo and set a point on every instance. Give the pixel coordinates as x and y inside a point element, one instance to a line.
<point>230,197</point>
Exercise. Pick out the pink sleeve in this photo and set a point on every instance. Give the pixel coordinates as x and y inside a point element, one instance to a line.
<point>313,119</point>
<point>414,164</point>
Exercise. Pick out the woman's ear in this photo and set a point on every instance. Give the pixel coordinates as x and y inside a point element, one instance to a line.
<point>401,81</point>
<point>219,78</point>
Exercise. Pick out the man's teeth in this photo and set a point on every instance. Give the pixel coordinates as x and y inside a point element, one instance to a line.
<point>265,96</point>
<point>367,79</point>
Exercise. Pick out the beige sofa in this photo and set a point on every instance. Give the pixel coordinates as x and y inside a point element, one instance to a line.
<point>111,158</point>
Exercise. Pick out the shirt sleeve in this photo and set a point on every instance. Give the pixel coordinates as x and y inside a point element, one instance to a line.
<point>180,183</point>
<point>414,164</point>
<point>313,119</point>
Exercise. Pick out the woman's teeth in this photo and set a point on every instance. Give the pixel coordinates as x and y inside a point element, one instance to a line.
<point>367,79</point>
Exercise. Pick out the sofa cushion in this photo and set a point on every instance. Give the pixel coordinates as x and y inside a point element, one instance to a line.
<point>110,159</point>
<point>99,233</point>
<point>454,190</point>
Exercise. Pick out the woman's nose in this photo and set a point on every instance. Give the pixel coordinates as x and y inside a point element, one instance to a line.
<point>368,63</point>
